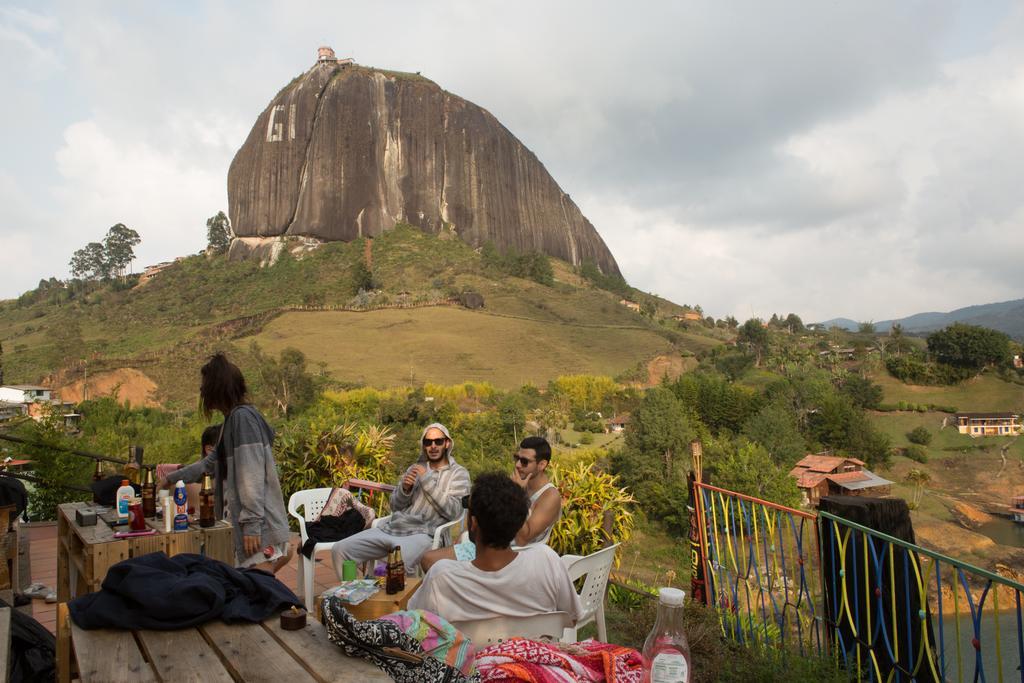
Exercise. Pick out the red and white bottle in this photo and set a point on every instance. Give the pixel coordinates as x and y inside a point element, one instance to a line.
<point>666,653</point>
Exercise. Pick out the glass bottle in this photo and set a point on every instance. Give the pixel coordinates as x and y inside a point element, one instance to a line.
<point>396,572</point>
<point>97,475</point>
<point>666,654</point>
<point>149,495</point>
<point>206,515</point>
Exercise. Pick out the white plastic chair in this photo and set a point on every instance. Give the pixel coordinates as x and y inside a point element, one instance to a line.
<point>596,566</point>
<point>496,629</point>
<point>311,502</point>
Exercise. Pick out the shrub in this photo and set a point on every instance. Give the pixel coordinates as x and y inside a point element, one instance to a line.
<point>917,453</point>
<point>919,435</point>
<point>56,468</point>
<point>588,496</point>
<point>312,455</point>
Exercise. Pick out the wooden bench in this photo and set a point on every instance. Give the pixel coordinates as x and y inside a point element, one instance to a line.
<point>214,652</point>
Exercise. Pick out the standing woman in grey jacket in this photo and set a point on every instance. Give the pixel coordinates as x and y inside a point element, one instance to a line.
<point>248,492</point>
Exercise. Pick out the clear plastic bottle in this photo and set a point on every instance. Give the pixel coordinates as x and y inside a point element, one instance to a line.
<point>666,653</point>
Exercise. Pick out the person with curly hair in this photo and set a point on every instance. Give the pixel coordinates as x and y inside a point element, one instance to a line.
<point>500,581</point>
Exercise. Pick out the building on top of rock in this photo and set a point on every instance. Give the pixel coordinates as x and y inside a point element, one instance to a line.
<point>325,55</point>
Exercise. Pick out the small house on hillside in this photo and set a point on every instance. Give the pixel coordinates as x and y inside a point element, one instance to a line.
<point>688,316</point>
<point>618,423</point>
<point>631,305</point>
<point>989,424</point>
<point>827,475</point>
<point>24,393</point>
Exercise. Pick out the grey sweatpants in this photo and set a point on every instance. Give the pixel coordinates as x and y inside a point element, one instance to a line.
<point>374,544</point>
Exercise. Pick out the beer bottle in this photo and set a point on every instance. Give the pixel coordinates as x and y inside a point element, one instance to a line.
<point>396,572</point>
<point>97,475</point>
<point>149,495</point>
<point>206,515</point>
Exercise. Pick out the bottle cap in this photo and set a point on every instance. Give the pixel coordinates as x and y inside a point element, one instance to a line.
<point>124,482</point>
<point>671,596</point>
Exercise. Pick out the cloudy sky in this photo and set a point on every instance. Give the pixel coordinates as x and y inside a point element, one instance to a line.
<point>859,159</point>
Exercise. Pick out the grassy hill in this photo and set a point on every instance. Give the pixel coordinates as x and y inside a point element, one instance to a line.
<point>526,332</point>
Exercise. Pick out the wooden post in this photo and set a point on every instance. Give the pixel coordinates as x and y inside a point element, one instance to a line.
<point>698,530</point>
<point>63,643</point>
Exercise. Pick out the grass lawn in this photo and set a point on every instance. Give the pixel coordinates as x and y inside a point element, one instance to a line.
<point>944,441</point>
<point>975,395</point>
<point>446,345</point>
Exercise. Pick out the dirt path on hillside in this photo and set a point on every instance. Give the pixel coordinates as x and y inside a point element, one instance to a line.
<point>126,384</point>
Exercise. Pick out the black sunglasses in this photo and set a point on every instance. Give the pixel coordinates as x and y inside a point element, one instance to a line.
<point>523,461</point>
<point>435,442</point>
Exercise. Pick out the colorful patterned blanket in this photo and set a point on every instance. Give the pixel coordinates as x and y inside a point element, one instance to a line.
<point>518,659</point>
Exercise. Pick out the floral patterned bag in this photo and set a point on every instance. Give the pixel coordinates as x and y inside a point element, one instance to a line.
<point>395,644</point>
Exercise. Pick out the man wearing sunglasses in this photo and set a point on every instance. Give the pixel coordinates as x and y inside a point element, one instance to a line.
<point>531,474</point>
<point>428,495</point>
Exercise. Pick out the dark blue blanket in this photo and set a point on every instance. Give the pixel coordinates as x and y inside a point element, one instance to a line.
<point>165,593</point>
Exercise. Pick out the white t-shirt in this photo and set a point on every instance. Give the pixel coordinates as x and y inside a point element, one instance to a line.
<point>535,582</point>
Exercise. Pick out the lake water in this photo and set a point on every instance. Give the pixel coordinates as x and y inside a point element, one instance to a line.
<point>1007,639</point>
<point>1003,531</point>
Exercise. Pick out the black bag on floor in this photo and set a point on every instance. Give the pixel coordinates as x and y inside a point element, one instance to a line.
<point>33,650</point>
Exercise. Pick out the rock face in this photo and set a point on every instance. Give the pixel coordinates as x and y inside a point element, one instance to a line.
<point>345,151</point>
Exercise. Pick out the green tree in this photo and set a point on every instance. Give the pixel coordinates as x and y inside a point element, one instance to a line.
<point>775,428</point>
<point>862,392</point>
<point>652,462</point>
<point>969,346</point>
<point>290,385</point>
<point>97,266</point>
<point>897,343</point>
<point>918,478</point>
<point>794,323</point>
<point>754,335</point>
<point>362,278</point>
<point>866,327</point>
<point>218,232</point>
<point>119,248</point>
<point>748,468</point>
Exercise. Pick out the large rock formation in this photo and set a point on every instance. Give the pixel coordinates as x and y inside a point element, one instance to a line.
<point>345,151</point>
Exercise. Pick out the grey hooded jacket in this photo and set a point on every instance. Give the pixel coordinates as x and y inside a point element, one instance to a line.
<point>436,497</point>
<point>255,501</point>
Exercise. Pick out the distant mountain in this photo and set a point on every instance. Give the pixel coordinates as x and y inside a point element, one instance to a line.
<point>1006,316</point>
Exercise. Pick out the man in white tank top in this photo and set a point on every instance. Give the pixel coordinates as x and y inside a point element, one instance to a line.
<point>531,473</point>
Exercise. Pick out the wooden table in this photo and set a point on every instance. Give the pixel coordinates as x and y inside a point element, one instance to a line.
<point>380,603</point>
<point>213,652</point>
<point>84,554</point>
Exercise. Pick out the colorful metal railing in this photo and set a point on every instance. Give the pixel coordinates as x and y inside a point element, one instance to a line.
<point>883,609</point>
<point>899,612</point>
<point>762,570</point>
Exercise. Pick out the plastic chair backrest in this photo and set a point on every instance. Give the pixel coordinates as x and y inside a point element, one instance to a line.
<point>537,627</point>
<point>596,566</point>
<point>311,501</point>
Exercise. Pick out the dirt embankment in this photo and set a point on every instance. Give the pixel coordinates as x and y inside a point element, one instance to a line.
<point>968,515</point>
<point>672,366</point>
<point>125,384</point>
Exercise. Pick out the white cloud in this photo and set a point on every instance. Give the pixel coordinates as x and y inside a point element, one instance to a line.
<point>160,193</point>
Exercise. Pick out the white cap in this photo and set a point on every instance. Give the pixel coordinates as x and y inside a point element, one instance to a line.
<point>671,596</point>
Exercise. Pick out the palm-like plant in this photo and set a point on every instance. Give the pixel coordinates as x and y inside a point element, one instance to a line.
<point>918,478</point>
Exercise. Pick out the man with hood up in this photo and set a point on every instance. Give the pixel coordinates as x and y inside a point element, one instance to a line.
<point>428,495</point>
